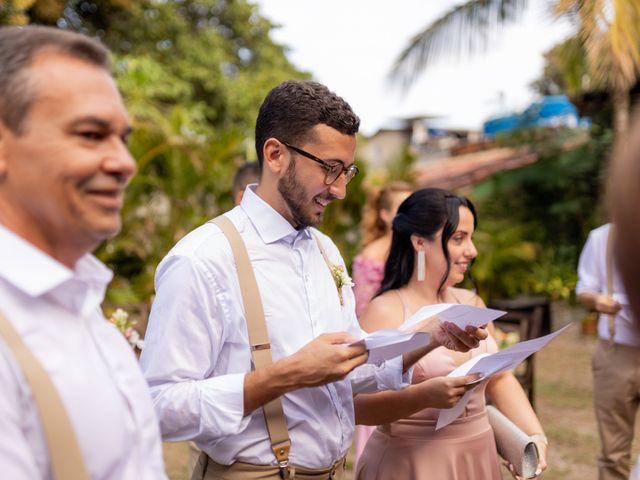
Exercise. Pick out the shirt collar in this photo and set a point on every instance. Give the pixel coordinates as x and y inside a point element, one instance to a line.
<point>34,272</point>
<point>270,225</point>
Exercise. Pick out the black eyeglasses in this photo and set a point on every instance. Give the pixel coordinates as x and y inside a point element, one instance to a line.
<point>334,170</point>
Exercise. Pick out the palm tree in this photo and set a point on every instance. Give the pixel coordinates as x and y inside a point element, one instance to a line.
<point>609,31</point>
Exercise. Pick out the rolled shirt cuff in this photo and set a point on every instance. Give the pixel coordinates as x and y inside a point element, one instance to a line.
<point>370,378</point>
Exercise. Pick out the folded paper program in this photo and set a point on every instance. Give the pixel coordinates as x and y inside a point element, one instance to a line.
<point>488,364</point>
<point>461,315</point>
<point>390,343</point>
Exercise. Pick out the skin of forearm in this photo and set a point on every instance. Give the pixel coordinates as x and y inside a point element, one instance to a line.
<point>265,384</point>
<point>588,299</point>
<point>409,359</point>
<point>374,408</point>
<point>507,395</point>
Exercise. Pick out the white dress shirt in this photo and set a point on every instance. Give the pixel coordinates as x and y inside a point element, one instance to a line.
<point>592,278</point>
<point>197,352</point>
<point>57,313</point>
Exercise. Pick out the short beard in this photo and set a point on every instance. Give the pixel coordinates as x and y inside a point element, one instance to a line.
<point>293,193</point>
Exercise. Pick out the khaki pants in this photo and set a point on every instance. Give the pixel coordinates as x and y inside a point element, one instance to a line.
<point>194,455</point>
<point>207,469</point>
<point>616,396</point>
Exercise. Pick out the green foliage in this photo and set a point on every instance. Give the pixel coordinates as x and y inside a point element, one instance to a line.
<point>184,175</point>
<point>193,74</point>
<point>565,70</point>
<point>342,217</point>
<point>534,221</point>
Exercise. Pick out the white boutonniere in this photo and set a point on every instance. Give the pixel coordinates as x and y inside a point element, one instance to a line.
<point>341,278</point>
<point>120,319</point>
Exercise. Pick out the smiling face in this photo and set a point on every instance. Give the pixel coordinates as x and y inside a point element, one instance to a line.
<point>301,186</point>
<point>62,178</point>
<point>461,252</point>
<point>461,248</point>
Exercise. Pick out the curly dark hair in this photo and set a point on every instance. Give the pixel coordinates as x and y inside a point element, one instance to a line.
<point>294,107</point>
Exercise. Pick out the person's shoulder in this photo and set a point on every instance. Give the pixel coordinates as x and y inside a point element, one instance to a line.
<point>383,311</point>
<point>206,247</point>
<point>466,296</point>
<point>208,240</point>
<point>597,238</point>
<point>601,231</point>
<point>376,250</point>
<point>205,240</point>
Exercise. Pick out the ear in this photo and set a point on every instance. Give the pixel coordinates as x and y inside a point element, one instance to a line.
<point>385,216</point>
<point>238,197</point>
<point>274,154</point>
<point>418,242</point>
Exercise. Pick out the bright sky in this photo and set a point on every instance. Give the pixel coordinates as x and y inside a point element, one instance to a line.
<point>350,45</point>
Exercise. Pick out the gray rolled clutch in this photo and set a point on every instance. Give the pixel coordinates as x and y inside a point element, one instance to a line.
<point>515,446</point>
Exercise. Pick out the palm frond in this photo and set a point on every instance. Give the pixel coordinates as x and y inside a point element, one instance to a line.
<point>465,28</point>
<point>610,33</point>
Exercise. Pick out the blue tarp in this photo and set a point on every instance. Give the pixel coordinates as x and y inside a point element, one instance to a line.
<point>550,111</point>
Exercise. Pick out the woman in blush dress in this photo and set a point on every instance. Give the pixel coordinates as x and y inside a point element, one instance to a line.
<point>368,266</point>
<point>431,251</point>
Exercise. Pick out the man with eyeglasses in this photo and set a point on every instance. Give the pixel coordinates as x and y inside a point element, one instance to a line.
<point>198,355</point>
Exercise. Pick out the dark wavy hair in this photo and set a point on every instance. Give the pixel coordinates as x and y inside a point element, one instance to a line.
<point>423,213</point>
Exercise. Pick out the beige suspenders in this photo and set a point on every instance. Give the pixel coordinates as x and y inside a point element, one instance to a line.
<point>609,259</point>
<point>258,340</point>
<point>65,456</point>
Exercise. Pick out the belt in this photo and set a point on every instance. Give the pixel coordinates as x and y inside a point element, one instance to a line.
<point>241,470</point>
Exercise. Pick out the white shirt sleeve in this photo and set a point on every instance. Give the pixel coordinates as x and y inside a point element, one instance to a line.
<point>589,266</point>
<point>191,398</point>
<point>16,459</point>
<point>370,378</point>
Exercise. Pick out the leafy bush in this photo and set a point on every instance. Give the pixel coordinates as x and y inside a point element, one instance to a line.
<point>534,221</point>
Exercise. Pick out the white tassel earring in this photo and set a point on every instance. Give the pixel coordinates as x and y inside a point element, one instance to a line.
<point>422,260</point>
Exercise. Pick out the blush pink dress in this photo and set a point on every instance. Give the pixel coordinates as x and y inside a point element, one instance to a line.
<point>411,448</point>
<point>367,276</point>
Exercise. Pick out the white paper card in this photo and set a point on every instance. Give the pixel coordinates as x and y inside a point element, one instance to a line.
<point>461,315</point>
<point>390,343</point>
<point>489,364</point>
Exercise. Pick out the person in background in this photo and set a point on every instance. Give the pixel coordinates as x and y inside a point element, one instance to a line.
<point>64,165</point>
<point>616,360</point>
<point>368,266</point>
<point>197,356</point>
<point>431,251</point>
<point>246,174</point>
